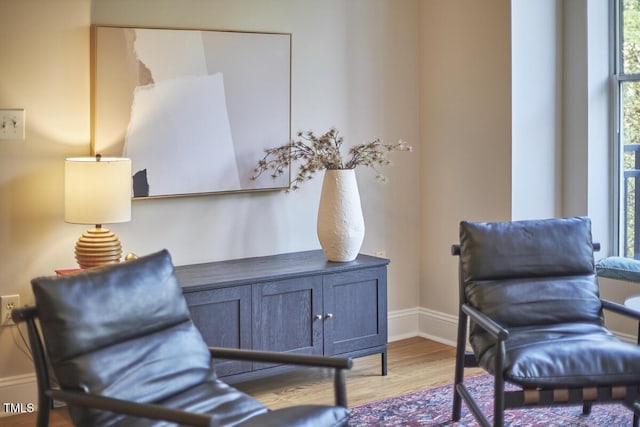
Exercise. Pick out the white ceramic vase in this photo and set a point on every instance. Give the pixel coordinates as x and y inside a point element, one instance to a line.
<point>340,220</point>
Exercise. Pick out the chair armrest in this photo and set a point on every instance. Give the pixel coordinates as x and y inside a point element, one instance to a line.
<point>145,410</point>
<point>283,358</point>
<point>620,309</point>
<point>496,331</point>
<point>22,314</point>
<point>486,322</point>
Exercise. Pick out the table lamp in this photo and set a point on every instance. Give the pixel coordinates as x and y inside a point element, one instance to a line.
<point>97,190</point>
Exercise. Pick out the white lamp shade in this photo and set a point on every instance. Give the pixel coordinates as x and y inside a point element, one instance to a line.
<point>97,191</point>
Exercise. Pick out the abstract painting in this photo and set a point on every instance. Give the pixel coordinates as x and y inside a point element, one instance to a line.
<point>193,109</point>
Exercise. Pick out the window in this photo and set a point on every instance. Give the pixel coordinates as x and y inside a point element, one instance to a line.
<point>627,79</point>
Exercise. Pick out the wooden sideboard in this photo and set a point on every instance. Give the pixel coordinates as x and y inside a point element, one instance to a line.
<point>297,302</point>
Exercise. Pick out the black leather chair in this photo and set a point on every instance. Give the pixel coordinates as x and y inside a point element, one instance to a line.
<point>529,292</point>
<point>124,351</point>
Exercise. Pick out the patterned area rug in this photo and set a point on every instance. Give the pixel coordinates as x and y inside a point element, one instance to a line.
<point>432,407</point>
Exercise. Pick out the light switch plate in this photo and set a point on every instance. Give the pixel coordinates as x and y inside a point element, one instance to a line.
<point>12,124</point>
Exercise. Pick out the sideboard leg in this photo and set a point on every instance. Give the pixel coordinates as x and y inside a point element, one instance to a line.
<point>384,363</point>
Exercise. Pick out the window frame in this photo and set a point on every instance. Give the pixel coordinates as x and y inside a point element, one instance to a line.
<point>619,78</point>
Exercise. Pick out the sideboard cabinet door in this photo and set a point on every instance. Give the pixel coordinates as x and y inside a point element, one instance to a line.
<point>284,316</point>
<point>223,317</point>
<point>296,303</point>
<point>355,305</point>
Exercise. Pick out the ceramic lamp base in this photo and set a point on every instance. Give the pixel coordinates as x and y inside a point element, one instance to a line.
<point>98,246</point>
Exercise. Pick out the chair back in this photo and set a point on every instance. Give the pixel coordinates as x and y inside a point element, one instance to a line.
<point>121,331</point>
<point>535,272</point>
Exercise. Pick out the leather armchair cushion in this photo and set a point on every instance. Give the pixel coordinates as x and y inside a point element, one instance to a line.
<point>564,355</point>
<point>529,274</point>
<point>122,331</point>
<point>230,406</point>
<point>146,369</point>
<point>81,312</point>
<point>562,247</point>
<point>537,301</point>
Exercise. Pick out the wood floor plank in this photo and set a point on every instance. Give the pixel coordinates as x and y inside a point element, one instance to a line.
<point>413,364</point>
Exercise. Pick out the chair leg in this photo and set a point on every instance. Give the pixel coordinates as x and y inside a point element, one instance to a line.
<point>457,403</point>
<point>459,370</point>
<point>340,387</point>
<point>635,406</point>
<point>44,408</point>
<point>498,402</point>
<point>498,392</point>
<point>586,408</point>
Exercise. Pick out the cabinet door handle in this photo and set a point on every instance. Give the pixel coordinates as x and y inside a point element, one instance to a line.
<point>317,317</point>
<point>329,316</point>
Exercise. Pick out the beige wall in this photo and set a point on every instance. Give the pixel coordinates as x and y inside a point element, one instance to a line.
<point>46,71</point>
<point>355,66</point>
<point>465,125</point>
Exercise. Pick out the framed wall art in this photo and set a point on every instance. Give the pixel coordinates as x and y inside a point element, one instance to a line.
<point>193,109</point>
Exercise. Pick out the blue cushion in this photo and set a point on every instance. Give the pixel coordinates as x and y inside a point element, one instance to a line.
<point>619,268</point>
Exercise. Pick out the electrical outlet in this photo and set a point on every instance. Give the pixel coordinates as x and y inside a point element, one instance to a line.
<point>7,304</point>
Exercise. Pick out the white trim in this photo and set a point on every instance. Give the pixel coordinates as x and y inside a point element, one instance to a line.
<point>19,389</point>
<point>403,324</point>
<point>438,326</point>
<point>422,322</point>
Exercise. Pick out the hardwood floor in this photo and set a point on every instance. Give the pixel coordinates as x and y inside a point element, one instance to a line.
<point>413,364</point>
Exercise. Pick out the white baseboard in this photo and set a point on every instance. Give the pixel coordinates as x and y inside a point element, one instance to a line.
<point>438,326</point>
<point>422,322</point>
<point>403,324</point>
<point>18,394</point>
